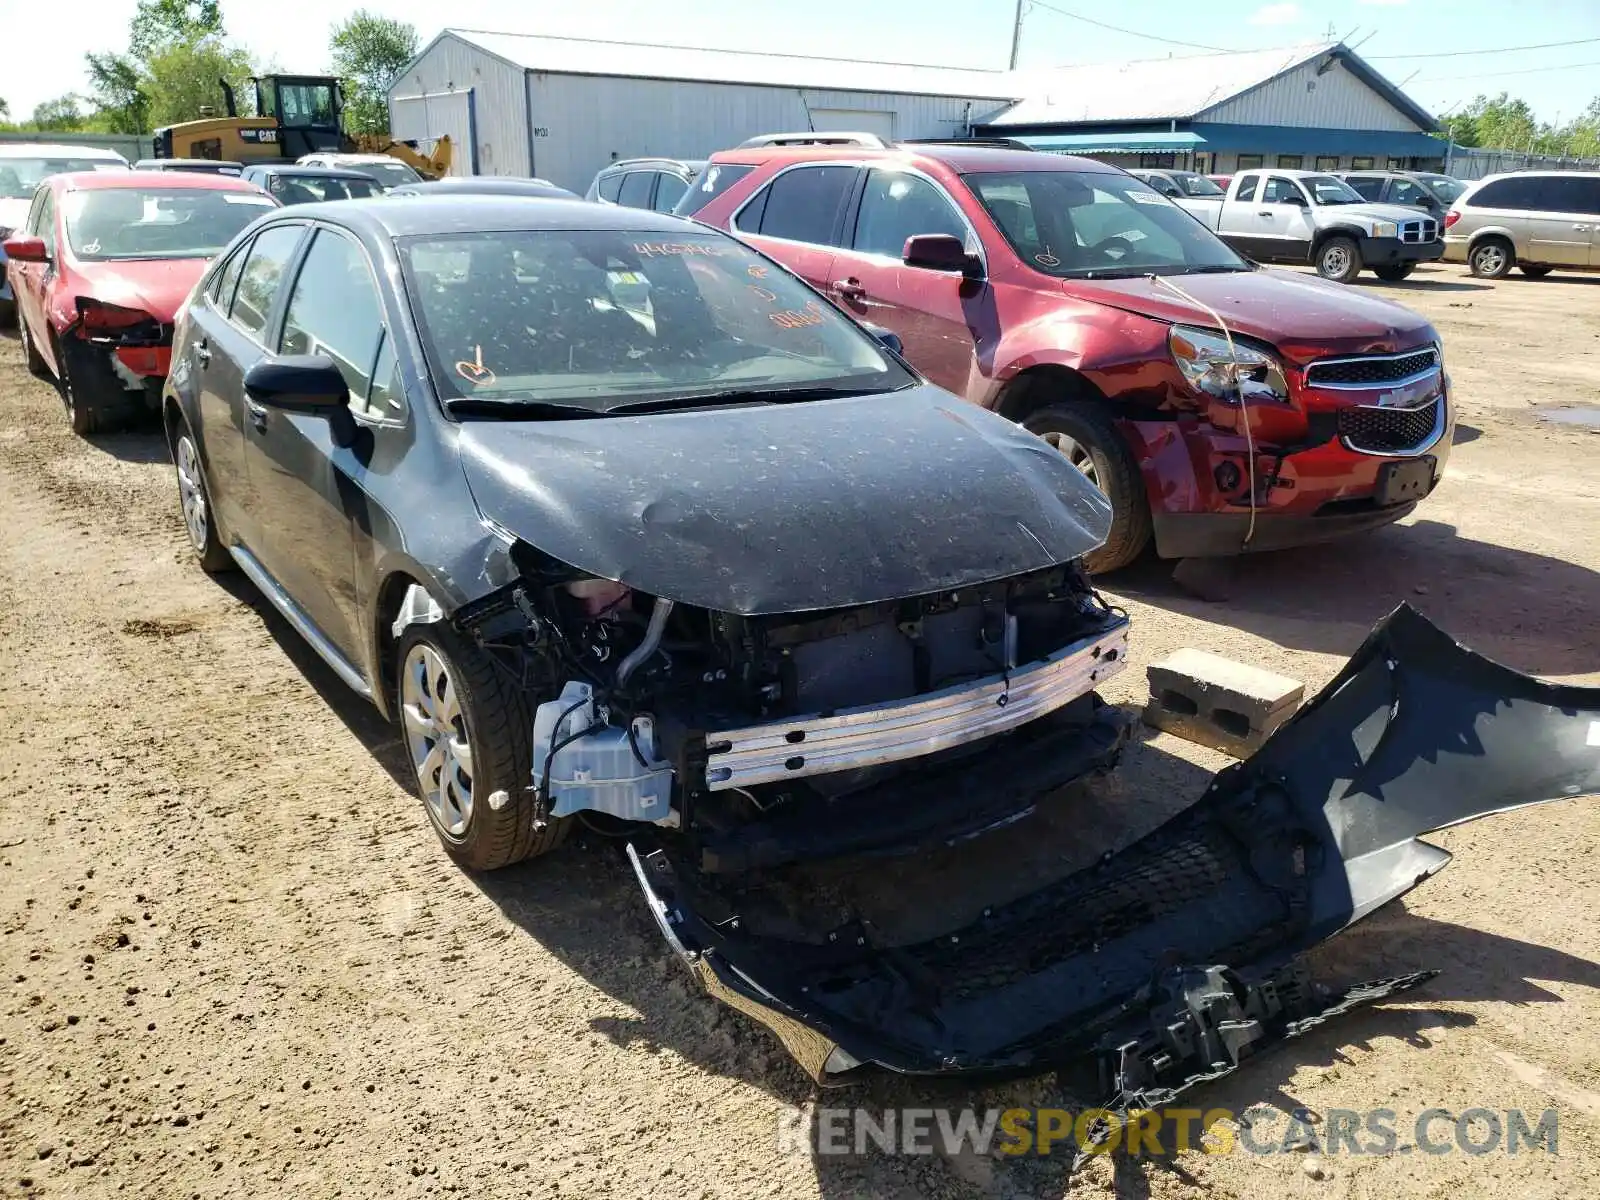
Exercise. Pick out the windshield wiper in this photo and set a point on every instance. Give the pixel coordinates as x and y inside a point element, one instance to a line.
<point>476,406</point>
<point>1219,269</point>
<point>754,394</point>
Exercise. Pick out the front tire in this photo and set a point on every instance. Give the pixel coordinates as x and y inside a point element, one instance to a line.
<point>194,498</point>
<point>1085,433</point>
<point>1339,259</point>
<point>37,367</point>
<point>1394,272</point>
<point>467,731</point>
<point>1491,258</point>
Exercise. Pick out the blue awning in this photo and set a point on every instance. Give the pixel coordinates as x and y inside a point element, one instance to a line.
<point>1291,139</point>
<point>1136,142</point>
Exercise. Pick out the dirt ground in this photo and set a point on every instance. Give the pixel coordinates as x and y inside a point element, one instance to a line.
<point>235,962</point>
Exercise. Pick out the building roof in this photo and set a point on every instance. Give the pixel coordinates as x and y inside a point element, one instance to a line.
<point>1163,89</point>
<point>589,56</point>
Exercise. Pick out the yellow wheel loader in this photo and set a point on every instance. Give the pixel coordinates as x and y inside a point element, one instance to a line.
<point>295,115</point>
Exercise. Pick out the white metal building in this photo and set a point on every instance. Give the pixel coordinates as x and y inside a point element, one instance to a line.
<point>563,108</point>
<point>1318,106</point>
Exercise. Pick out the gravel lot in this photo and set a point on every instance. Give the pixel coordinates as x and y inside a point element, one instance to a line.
<point>236,964</point>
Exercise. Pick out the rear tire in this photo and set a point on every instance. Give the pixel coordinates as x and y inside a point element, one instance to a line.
<point>194,499</point>
<point>1535,272</point>
<point>1491,258</point>
<point>450,697</point>
<point>8,313</point>
<point>1086,434</point>
<point>1394,272</point>
<point>1339,259</point>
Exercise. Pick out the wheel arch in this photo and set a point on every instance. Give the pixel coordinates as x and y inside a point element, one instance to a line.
<point>1041,385</point>
<point>1321,237</point>
<point>387,603</point>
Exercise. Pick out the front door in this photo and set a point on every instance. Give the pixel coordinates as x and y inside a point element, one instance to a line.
<point>1284,213</point>
<point>31,281</point>
<point>301,479</point>
<point>938,314</point>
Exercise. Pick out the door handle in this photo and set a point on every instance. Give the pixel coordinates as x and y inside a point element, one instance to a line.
<point>202,353</point>
<point>257,413</point>
<point>849,289</point>
<point>1581,228</point>
<point>1264,212</point>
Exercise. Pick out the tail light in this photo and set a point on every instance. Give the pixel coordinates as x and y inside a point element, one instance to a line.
<point>1451,217</point>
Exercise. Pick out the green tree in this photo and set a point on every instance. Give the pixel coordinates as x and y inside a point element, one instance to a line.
<point>63,113</point>
<point>159,24</point>
<point>369,51</point>
<point>5,109</point>
<point>117,84</point>
<point>181,78</point>
<point>1461,128</point>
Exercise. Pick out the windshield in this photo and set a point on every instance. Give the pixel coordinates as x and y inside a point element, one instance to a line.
<point>1325,189</point>
<point>1448,190</point>
<point>19,176</point>
<point>1093,225</point>
<point>389,174</point>
<point>308,189</point>
<point>123,223</point>
<point>305,105</point>
<point>599,318</point>
<point>1194,185</point>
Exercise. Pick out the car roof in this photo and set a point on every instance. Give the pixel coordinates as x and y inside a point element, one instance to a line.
<point>340,156</point>
<point>83,181</point>
<point>309,171</point>
<point>963,159</point>
<point>213,164</point>
<point>694,164</point>
<point>58,150</point>
<point>483,185</point>
<point>1539,172</point>
<point>426,214</point>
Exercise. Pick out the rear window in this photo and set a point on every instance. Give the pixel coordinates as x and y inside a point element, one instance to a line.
<point>127,223</point>
<point>1570,194</point>
<point>801,205</point>
<point>713,181</point>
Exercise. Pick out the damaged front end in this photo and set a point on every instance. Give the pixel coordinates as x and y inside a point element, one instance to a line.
<point>116,351</point>
<point>1173,959</point>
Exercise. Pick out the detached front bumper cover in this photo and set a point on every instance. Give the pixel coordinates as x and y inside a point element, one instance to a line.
<point>1174,958</point>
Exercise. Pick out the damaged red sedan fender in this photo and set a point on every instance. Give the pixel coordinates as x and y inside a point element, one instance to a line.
<point>100,270</point>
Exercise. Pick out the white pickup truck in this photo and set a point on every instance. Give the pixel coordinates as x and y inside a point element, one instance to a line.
<point>1307,216</point>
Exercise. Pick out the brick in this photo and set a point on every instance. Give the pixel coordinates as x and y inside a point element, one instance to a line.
<point>1229,706</point>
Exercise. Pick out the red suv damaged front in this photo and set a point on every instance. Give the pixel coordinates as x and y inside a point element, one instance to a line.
<point>1074,299</point>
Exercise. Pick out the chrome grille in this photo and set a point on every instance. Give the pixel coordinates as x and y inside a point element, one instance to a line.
<point>1371,370</point>
<point>1388,430</point>
<point>1419,231</point>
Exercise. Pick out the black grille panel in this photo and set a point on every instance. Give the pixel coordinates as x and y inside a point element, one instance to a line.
<point>1388,430</point>
<point>1419,231</point>
<point>1377,369</point>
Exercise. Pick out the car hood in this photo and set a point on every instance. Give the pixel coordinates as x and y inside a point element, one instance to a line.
<point>1367,212</point>
<point>788,507</point>
<point>158,286</point>
<point>1304,316</point>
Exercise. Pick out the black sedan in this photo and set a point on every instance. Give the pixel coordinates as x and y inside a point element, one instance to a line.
<point>624,524</point>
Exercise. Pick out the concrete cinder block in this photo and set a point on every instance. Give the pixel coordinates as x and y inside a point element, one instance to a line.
<point>1217,702</point>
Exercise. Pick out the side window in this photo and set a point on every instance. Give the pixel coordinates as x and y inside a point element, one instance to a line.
<point>44,220</point>
<point>1280,191</point>
<point>1247,188</point>
<point>225,280</point>
<point>262,273</point>
<point>635,191</point>
<point>1518,192</point>
<point>669,191</point>
<point>1570,194</point>
<point>608,186</point>
<point>803,204</point>
<point>36,211</point>
<point>1368,187</point>
<point>1403,191</point>
<point>1165,186</point>
<point>895,207</point>
<point>334,310</point>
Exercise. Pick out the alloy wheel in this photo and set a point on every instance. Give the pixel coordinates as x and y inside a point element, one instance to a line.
<point>1076,453</point>
<point>192,494</point>
<point>1336,261</point>
<point>1491,259</point>
<point>436,736</point>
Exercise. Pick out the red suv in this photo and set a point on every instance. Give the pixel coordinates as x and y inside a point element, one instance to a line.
<point>1069,296</point>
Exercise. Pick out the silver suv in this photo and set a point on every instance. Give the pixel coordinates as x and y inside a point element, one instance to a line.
<point>1539,221</point>
<point>653,183</point>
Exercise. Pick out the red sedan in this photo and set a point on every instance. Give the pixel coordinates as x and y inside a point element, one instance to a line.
<point>101,268</point>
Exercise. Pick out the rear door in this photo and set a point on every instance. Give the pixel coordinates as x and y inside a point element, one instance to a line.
<point>936,313</point>
<point>303,484</point>
<point>798,218</point>
<point>218,407</point>
<point>1561,233</point>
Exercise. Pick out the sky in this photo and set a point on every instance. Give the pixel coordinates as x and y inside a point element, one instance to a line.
<point>1394,35</point>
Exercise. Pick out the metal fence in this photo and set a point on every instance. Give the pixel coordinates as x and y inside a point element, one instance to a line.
<point>1466,162</point>
<point>131,146</point>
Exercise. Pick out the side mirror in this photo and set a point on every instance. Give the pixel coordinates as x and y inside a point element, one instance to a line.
<point>1296,199</point>
<point>887,337</point>
<point>304,383</point>
<point>26,249</point>
<point>940,252</point>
